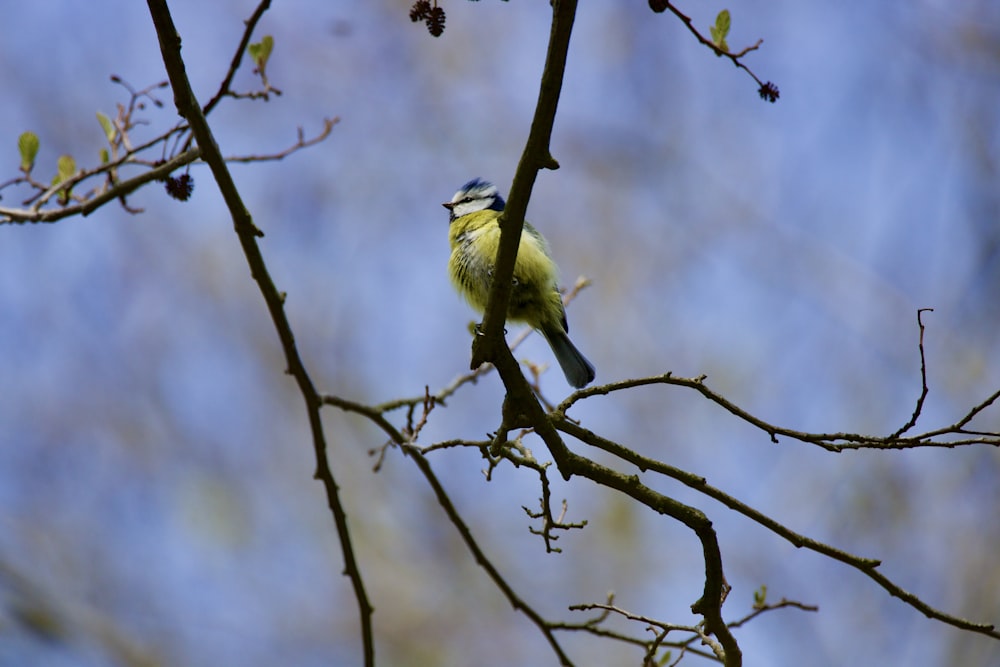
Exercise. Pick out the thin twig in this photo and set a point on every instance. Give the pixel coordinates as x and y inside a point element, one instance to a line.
<point>923,380</point>
<point>833,442</point>
<point>665,628</point>
<point>735,58</point>
<point>300,143</point>
<point>241,49</point>
<point>959,426</point>
<point>764,608</point>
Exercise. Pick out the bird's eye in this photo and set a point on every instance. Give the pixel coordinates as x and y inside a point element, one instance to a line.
<point>466,200</point>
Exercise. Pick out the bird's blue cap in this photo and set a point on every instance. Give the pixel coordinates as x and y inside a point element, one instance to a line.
<point>479,188</point>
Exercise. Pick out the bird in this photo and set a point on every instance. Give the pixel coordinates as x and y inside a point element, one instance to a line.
<point>474,236</point>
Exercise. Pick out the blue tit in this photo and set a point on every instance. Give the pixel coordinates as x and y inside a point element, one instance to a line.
<point>474,234</point>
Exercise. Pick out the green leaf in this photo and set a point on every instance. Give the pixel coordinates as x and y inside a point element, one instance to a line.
<point>65,170</point>
<point>261,51</point>
<point>760,596</point>
<point>107,126</point>
<point>59,178</point>
<point>720,30</point>
<point>66,167</point>
<point>27,145</point>
<point>104,156</point>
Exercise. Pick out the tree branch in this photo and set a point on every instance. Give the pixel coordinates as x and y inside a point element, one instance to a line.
<point>865,565</point>
<point>463,530</point>
<point>188,107</point>
<point>832,442</point>
<point>923,380</point>
<point>116,191</point>
<point>119,189</point>
<point>234,64</point>
<point>767,90</point>
<point>396,436</point>
<point>491,346</point>
<point>709,605</point>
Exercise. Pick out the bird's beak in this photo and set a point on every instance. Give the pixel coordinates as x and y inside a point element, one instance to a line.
<point>448,205</point>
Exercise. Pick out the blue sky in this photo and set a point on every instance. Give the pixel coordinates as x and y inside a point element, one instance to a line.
<point>155,466</point>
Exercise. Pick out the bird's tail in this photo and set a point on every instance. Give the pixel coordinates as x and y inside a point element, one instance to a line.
<point>578,371</point>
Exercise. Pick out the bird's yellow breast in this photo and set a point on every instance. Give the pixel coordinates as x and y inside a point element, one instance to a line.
<point>474,240</point>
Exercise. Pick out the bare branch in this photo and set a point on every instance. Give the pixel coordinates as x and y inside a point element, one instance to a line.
<point>301,142</point>
<point>491,346</point>
<point>247,232</point>
<point>959,426</point>
<point>833,442</point>
<point>923,380</point>
<point>764,608</point>
<point>484,562</point>
<point>767,90</point>
<point>866,565</point>
<point>664,630</point>
<point>241,49</point>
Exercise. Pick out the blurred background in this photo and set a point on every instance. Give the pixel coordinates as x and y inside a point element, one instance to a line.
<point>157,505</point>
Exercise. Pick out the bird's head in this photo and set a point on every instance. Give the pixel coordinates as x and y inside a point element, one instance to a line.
<point>476,195</point>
